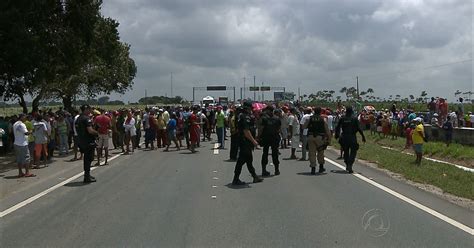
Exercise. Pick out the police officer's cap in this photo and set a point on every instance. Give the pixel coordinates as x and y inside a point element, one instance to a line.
<point>247,105</point>
<point>84,107</point>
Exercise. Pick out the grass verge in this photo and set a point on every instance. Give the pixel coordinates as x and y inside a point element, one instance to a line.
<point>456,153</point>
<point>446,177</point>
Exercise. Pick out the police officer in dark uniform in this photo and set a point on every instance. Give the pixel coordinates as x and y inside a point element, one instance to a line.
<point>269,136</point>
<point>87,136</point>
<point>350,126</point>
<point>246,127</point>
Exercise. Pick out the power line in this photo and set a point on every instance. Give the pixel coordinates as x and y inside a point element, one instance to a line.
<point>417,69</point>
<point>404,71</point>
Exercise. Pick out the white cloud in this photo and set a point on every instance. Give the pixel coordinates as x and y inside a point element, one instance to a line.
<point>311,44</point>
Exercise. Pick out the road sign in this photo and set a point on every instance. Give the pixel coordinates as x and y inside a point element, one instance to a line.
<point>215,88</point>
<point>251,88</point>
<point>265,88</point>
<point>278,96</point>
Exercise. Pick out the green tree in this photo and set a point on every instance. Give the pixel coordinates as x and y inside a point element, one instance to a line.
<point>29,31</point>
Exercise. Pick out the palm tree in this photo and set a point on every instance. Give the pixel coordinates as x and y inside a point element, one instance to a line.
<point>458,92</point>
<point>332,94</point>
<point>412,97</point>
<point>343,90</point>
<point>423,94</point>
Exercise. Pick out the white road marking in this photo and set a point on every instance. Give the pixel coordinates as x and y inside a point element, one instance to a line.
<point>215,178</point>
<point>216,150</point>
<point>432,159</point>
<point>214,171</point>
<point>214,197</point>
<point>49,190</point>
<point>408,200</point>
<point>214,186</point>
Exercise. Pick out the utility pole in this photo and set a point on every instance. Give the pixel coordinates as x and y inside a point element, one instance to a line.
<point>171,85</point>
<point>262,92</point>
<point>244,91</point>
<point>299,95</point>
<point>254,87</point>
<point>357,80</point>
<point>145,94</point>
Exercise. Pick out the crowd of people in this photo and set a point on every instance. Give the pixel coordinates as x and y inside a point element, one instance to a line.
<point>86,133</point>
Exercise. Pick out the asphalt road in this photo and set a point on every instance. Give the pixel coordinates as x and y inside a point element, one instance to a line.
<point>178,199</point>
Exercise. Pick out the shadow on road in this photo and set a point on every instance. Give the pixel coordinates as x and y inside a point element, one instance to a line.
<point>12,177</point>
<point>231,186</point>
<point>187,153</point>
<point>339,171</point>
<point>230,161</point>
<point>309,174</point>
<point>75,184</point>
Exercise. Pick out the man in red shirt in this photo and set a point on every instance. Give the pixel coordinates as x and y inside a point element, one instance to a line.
<point>103,125</point>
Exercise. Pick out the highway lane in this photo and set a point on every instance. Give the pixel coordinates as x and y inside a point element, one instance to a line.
<point>178,199</point>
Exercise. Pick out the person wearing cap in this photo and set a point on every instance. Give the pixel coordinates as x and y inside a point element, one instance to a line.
<point>350,126</point>
<point>269,136</point>
<point>20,143</point>
<point>247,142</point>
<point>319,137</point>
<point>418,137</point>
<point>87,145</point>
<point>220,126</point>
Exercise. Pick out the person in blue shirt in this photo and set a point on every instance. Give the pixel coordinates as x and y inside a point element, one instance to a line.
<point>171,129</point>
<point>448,130</point>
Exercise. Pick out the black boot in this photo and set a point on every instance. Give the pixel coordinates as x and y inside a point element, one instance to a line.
<point>313,170</point>
<point>265,173</point>
<point>349,168</point>
<point>321,168</point>
<point>257,179</point>
<point>89,179</point>
<point>237,181</point>
<point>277,169</point>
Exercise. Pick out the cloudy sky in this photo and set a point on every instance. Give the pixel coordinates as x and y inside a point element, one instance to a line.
<point>394,46</point>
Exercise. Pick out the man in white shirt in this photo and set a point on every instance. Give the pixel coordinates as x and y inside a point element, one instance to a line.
<point>308,112</point>
<point>284,128</point>
<point>294,132</point>
<point>330,122</point>
<point>21,147</point>
<point>76,139</point>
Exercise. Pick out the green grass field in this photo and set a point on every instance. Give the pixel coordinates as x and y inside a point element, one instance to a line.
<point>447,177</point>
<point>455,153</point>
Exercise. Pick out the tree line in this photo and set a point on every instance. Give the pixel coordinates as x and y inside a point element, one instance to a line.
<point>60,49</point>
<point>368,96</point>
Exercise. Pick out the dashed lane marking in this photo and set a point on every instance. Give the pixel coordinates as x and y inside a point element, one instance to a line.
<point>216,148</point>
